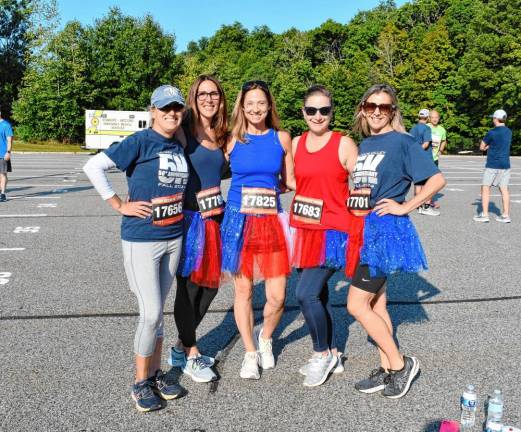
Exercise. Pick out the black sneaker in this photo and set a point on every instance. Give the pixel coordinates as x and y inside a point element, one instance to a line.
<point>146,400</point>
<point>165,386</point>
<point>3,198</point>
<point>375,382</point>
<point>398,382</point>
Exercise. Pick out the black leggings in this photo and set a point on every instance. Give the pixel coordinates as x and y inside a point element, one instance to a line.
<point>191,304</point>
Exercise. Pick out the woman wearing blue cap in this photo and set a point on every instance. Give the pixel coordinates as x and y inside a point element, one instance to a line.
<point>151,230</point>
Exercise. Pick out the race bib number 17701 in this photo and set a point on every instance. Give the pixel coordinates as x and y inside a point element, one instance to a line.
<point>167,210</point>
<point>210,202</point>
<point>358,202</point>
<point>258,201</point>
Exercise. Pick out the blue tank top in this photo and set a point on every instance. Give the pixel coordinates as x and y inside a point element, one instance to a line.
<point>206,167</point>
<point>256,163</point>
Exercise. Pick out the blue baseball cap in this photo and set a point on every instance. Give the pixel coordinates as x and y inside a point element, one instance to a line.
<point>166,95</point>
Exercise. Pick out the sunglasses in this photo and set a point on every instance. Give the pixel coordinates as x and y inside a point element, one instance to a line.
<point>248,85</point>
<point>385,109</point>
<point>173,106</point>
<point>311,111</point>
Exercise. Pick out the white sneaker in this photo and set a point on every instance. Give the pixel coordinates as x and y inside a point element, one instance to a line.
<point>319,368</point>
<point>503,219</point>
<point>265,350</point>
<point>338,369</point>
<point>250,366</point>
<point>198,370</point>
<point>428,211</point>
<point>481,218</point>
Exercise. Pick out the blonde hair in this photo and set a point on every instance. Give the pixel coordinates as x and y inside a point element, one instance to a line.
<point>219,121</point>
<point>360,122</point>
<point>239,122</point>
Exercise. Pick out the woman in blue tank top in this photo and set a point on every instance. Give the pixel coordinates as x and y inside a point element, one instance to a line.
<point>204,134</point>
<point>255,231</point>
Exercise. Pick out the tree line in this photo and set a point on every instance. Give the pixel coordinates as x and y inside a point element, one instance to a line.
<point>460,57</point>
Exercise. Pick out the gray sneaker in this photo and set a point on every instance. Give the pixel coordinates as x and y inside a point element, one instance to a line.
<point>198,370</point>
<point>428,211</point>
<point>397,383</point>
<point>374,383</point>
<point>319,368</point>
<point>338,369</point>
<point>481,218</point>
<point>503,219</point>
<point>178,358</point>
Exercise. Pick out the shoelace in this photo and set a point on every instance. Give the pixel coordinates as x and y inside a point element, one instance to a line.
<point>145,391</point>
<point>199,363</point>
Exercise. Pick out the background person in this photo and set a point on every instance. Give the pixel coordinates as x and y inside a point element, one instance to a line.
<point>389,160</point>
<point>6,144</point>
<point>497,143</point>
<point>204,135</point>
<point>151,230</point>
<point>423,135</point>
<point>439,142</point>
<point>254,230</point>
<point>327,235</point>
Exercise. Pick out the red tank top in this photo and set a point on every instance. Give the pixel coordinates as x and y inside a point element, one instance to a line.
<point>320,175</point>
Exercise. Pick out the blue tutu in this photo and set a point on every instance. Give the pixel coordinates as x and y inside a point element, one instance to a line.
<point>193,244</point>
<point>391,244</point>
<point>335,249</point>
<point>231,236</point>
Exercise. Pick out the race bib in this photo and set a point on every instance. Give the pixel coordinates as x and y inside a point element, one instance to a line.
<point>210,202</point>
<point>308,210</point>
<point>258,201</point>
<point>358,202</point>
<point>167,210</point>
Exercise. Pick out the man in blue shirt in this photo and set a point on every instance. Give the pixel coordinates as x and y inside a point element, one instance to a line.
<point>422,133</point>
<point>6,142</point>
<point>497,143</point>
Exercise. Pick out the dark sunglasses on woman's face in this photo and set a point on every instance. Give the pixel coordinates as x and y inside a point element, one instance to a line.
<point>173,106</point>
<point>248,85</point>
<point>385,109</point>
<point>311,111</point>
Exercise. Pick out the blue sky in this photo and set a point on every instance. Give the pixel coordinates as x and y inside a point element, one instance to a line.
<point>192,19</point>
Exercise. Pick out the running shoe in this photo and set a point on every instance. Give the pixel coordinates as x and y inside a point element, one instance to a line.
<point>250,366</point>
<point>165,386</point>
<point>319,368</point>
<point>397,383</point>
<point>503,219</point>
<point>265,350</point>
<point>374,383</point>
<point>428,211</point>
<point>199,370</point>
<point>178,358</point>
<point>481,218</point>
<point>144,396</point>
<point>339,367</point>
<point>3,198</point>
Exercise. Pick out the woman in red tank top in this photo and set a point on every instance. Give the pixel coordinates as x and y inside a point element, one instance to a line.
<point>328,237</point>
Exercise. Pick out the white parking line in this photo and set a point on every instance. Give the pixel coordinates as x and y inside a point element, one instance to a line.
<point>23,216</point>
<point>40,185</point>
<point>11,249</point>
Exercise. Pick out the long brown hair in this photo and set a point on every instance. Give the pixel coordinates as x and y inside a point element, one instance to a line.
<point>360,122</point>
<point>239,122</point>
<point>219,121</point>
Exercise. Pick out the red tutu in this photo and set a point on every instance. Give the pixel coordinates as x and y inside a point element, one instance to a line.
<point>309,248</point>
<point>209,272</point>
<point>264,250</point>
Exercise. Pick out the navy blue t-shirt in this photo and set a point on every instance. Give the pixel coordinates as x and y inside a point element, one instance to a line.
<point>206,167</point>
<point>155,167</point>
<point>498,154</point>
<point>422,134</point>
<point>389,163</point>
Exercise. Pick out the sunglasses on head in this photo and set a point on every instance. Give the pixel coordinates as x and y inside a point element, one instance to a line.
<point>311,111</point>
<point>385,109</point>
<point>248,85</point>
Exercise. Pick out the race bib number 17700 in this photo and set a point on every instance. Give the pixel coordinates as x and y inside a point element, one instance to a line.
<point>167,210</point>
<point>258,201</point>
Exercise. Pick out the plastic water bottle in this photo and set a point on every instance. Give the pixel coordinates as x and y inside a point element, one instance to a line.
<point>468,408</point>
<point>495,412</point>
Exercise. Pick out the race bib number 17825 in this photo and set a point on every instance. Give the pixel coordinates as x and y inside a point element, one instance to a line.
<point>258,201</point>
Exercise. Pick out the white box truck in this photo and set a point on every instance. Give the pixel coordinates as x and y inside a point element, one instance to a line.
<point>104,127</point>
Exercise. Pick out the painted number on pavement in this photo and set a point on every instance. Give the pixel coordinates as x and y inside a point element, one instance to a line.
<point>29,229</point>
<point>4,277</point>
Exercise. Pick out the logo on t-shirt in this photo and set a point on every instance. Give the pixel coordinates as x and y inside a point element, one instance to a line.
<point>365,173</point>
<point>173,169</point>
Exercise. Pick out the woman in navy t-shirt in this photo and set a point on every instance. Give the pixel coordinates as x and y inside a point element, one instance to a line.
<point>151,231</point>
<point>389,161</point>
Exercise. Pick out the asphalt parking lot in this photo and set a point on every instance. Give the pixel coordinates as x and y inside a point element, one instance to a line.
<point>67,321</point>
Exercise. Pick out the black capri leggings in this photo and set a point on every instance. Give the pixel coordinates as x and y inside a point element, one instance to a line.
<point>190,307</point>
